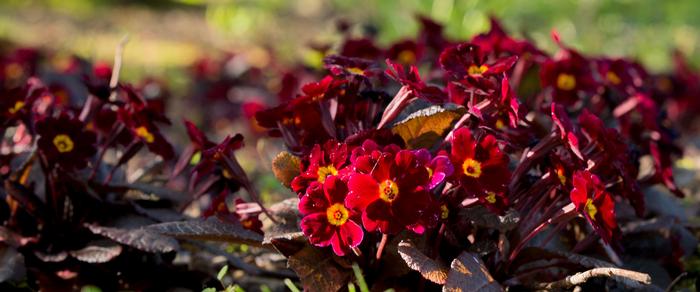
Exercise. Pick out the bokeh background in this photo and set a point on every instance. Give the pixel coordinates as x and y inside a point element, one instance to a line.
<point>169,34</point>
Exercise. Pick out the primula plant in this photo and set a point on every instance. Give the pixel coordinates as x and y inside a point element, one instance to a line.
<point>432,163</point>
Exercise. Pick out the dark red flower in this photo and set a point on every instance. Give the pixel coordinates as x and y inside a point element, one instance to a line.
<point>360,48</point>
<point>389,190</point>
<point>323,162</point>
<point>326,218</point>
<point>481,168</point>
<point>621,74</point>
<point>406,52</point>
<point>595,203</point>
<point>469,61</point>
<point>497,42</point>
<point>413,81</point>
<point>567,77</point>
<point>65,142</point>
<point>343,66</point>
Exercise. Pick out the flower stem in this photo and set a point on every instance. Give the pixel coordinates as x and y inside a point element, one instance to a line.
<point>382,244</point>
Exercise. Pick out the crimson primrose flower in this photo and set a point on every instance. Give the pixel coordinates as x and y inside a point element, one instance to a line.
<point>389,190</point>
<point>482,168</point>
<point>438,167</point>
<point>468,60</point>
<point>595,203</point>
<point>567,77</point>
<point>139,117</point>
<point>65,142</point>
<point>326,218</point>
<point>322,163</point>
<point>405,52</point>
<point>621,74</point>
<point>496,41</point>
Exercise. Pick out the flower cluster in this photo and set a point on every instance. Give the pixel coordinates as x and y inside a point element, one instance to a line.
<point>412,153</point>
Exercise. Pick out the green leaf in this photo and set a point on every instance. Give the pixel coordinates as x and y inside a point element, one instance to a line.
<point>291,285</point>
<point>222,272</point>
<point>360,278</point>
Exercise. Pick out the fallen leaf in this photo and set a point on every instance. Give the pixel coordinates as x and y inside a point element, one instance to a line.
<point>468,273</point>
<point>319,270</point>
<point>417,261</point>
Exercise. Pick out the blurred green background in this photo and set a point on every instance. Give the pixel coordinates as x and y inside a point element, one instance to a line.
<point>167,34</point>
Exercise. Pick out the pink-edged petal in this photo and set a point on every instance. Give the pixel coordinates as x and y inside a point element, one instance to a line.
<point>317,229</point>
<point>352,233</point>
<point>339,247</point>
<point>313,201</point>
<point>423,156</point>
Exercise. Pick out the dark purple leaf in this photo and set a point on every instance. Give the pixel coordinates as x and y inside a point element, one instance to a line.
<point>140,238</point>
<point>11,264</point>
<point>98,252</point>
<point>209,229</point>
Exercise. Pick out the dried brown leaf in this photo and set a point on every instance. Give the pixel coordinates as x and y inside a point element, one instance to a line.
<point>468,273</point>
<point>417,261</point>
<point>320,270</point>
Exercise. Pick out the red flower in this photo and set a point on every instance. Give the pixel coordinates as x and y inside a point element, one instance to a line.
<point>595,203</point>
<point>405,52</point>
<point>468,60</point>
<point>322,163</point>
<point>481,168</point>
<point>389,191</point>
<point>64,142</point>
<point>567,77</point>
<point>326,219</point>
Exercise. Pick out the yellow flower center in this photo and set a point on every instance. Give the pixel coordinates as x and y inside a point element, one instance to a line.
<point>247,224</point>
<point>337,214</point>
<point>561,175</point>
<point>591,209</point>
<point>18,106</point>
<point>444,212</point>
<point>63,143</point>
<point>291,121</point>
<point>566,81</point>
<point>477,70</point>
<point>472,168</point>
<point>500,124</point>
<point>145,134</point>
<point>325,171</point>
<point>356,71</point>
<point>430,172</point>
<point>14,71</point>
<point>613,78</point>
<point>388,190</point>
<point>406,57</point>
<point>491,197</point>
